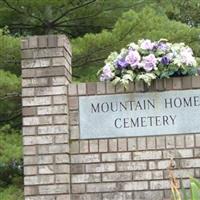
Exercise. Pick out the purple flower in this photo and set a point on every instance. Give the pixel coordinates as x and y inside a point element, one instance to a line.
<point>149,62</point>
<point>121,63</point>
<point>133,58</point>
<point>146,44</point>
<point>106,73</point>
<point>165,60</point>
<point>162,46</point>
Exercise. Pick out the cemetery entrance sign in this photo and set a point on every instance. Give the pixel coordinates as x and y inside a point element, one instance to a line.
<point>97,141</point>
<point>139,114</point>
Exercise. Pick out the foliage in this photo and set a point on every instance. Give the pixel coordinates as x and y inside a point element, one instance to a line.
<point>11,193</point>
<point>9,52</point>
<point>97,27</point>
<point>183,195</point>
<point>10,156</point>
<point>62,16</point>
<point>91,50</point>
<point>10,86</point>
<point>183,10</point>
<point>195,188</point>
<point>10,145</point>
<point>10,103</point>
<point>69,17</point>
<point>148,60</point>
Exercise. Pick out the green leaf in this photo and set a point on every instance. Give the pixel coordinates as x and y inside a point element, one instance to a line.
<point>195,193</point>
<point>128,77</point>
<point>130,72</point>
<point>147,78</point>
<point>192,71</point>
<point>125,83</point>
<point>197,182</point>
<point>116,80</point>
<point>143,52</point>
<point>185,196</point>
<point>165,74</point>
<point>159,53</point>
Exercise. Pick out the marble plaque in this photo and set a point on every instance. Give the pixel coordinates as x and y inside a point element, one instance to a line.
<point>140,114</point>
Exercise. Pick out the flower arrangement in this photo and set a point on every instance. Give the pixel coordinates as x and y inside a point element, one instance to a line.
<point>148,60</point>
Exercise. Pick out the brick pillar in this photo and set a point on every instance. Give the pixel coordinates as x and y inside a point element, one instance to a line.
<point>46,72</point>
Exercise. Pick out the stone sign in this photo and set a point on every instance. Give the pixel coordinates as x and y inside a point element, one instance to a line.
<point>139,114</point>
<point>58,164</point>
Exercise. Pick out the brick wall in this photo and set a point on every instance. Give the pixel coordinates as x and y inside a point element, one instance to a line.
<point>46,72</point>
<point>58,165</point>
<point>129,167</point>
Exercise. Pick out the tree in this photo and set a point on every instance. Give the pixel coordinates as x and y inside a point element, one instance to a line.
<point>71,17</point>
<point>10,117</point>
<point>184,11</point>
<point>10,101</point>
<point>77,17</point>
<point>9,52</point>
<point>91,50</point>
<point>10,157</point>
<point>95,33</point>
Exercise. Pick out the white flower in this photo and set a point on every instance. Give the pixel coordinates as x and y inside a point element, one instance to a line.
<point>112,58</point>
<point>186,56</point>
<point>146,44</point>
<point>133,46</point>
<point>122,54</point>
<point>107,73</point>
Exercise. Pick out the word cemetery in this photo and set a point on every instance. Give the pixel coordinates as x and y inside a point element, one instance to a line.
<point>146,112</point>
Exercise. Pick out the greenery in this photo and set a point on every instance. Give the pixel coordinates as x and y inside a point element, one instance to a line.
<point>10,156</point>
<point>91,50</point>
<point>178,191</point>
<point>11,193</point>
<point>9,52</point>
<point>148,60</point>
<point>193,194</point>
<point>10,102</point>
<point>61,16</point>
<point>107,26</point>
